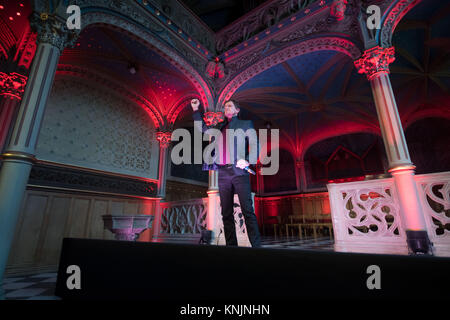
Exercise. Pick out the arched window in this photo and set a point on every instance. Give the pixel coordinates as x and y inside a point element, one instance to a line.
<point>344,158</point>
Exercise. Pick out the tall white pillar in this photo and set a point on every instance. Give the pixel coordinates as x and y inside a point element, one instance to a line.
<point>214,213</point>
<point>375,64</point>
<point>18,158</point>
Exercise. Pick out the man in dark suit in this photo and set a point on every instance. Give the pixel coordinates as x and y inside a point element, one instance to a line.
<point>233,176</point>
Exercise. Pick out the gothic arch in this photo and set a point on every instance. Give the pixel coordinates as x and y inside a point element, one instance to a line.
<point>395,12</point>
<point>331,42</point>
<point>429,112</point>
<point>178,106</point>
<point>342,128</point>
<point>109,14</point>
<point>139,34</point>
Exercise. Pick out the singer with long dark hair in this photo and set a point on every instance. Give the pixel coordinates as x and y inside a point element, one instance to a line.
<point>234,173</point>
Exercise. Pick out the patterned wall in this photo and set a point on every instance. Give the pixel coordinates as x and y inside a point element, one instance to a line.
<point>92,127</point>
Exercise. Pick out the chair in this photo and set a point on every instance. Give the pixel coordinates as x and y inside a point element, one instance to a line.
<point>324,222</point>
<point>295,221</point>
<point>277,223</point>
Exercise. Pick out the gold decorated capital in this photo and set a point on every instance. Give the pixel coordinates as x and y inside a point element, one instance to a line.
<point>53,29</point>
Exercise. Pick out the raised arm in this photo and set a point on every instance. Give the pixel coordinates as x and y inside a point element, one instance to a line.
<point>198,119</point>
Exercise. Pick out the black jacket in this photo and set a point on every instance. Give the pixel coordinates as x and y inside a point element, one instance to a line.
<point>235,124</point>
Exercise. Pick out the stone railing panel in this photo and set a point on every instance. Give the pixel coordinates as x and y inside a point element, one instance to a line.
<point>366,217</point>
<point>184,217</point>
<point>434,193</point>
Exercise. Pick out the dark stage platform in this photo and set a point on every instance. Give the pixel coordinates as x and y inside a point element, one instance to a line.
<point>187,273</point>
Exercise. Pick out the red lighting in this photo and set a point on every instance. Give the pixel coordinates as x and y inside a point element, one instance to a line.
<point>11,18</point>
<point>351,179</point>
<point>2,7</point>
<point>18,13</point>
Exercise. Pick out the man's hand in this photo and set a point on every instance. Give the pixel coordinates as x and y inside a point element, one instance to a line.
<point>242,164</point>
<point>195,103</point>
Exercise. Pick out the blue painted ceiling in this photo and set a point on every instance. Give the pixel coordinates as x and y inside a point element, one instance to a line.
<point>321,89</point>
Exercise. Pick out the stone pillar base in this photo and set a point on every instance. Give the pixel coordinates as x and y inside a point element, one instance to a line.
<point>418,242</point>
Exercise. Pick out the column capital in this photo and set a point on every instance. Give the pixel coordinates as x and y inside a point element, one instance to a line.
<point>12,84</point>
<point>164,138</point>
<point>375,61</point>
<point>212,118</point>
<point>52,29</point>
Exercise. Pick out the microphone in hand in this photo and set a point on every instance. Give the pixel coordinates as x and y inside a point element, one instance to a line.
<point>244,165</point>
<point>249,170</point>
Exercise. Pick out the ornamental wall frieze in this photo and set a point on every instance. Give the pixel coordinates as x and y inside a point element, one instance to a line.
<point>84,180</point>
<point>77,71</point>
<point>27,49</point>
<point>256,21</point>
<point>187,21</point>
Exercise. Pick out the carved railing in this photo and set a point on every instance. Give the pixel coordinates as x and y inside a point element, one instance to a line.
<point>257,20</point>
<point>183,221</point>
<point>181,218</point>
<point>366,217</point>
<point>366,214</point>
<point>434,193</point>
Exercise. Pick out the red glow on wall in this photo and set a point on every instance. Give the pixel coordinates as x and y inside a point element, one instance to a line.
<point>351,179</point>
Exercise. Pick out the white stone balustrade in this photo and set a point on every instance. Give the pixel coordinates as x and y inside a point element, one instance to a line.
<point>183,221</point>
<point>366,214</point>
<point>434,193</point>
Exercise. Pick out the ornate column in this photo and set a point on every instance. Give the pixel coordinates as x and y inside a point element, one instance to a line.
<point>163,138</point>
<point>19,155</point>
<point>12,87</point>
<point>211,119</point>
<point>213,204</point>
<point>375,64</point>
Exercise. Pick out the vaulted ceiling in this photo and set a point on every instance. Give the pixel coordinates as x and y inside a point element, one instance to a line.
<point>309,97</point>
<point>133,64</point>
<point>320,94</point>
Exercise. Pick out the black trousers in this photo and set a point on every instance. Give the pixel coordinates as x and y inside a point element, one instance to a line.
<point>231,181</point>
